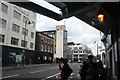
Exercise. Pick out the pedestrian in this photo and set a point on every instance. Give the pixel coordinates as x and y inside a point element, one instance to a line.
<point>91,68</point>
<point>65,69</point>
<point>82,71</point>
<point>100,70</point>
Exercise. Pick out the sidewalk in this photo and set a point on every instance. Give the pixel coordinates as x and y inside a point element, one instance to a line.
<point>20,66</point>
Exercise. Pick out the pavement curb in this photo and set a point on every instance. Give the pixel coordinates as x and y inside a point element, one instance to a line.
<point>26,66</point>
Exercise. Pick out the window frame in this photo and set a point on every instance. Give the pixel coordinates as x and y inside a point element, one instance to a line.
<point>3,21</point>
<point>2,38</point>
<point>14,41</point>
<point>16,15</point>
<point>16,28</point>
<point>4,8</point>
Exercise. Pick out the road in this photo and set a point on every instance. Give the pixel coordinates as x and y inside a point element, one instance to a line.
<point>45,72</point>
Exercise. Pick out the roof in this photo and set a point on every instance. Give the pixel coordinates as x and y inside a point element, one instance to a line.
<point>71,43</point>
<point>44,35</point>
<point>85,11</point>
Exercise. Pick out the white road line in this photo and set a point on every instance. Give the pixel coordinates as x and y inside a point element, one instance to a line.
<point>72,74</point>
<point>10,76</point>
<point>36,71</point>
<point>54,68</point>
<point>50,76</point>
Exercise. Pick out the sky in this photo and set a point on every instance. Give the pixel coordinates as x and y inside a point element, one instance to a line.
<point>78,31</point>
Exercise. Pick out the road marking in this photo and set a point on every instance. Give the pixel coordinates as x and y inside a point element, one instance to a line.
<point>72,74</point>
<point>50,76</point>
<point>54,68</point>
<point>10,76</point>
<point>37,71</point>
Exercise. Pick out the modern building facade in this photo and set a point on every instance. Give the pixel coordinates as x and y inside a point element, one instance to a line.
<point>79,51</point>
<point>16,33</point>
<point>43,48</point>
<point>61,41</point>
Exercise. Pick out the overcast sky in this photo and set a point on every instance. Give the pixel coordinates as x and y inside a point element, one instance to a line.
<point>78,31</point>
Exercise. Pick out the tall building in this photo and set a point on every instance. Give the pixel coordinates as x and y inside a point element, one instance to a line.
<point>61,42</point>
<point>43,48</point>
<point>16,33</point>
<point>79,51</point>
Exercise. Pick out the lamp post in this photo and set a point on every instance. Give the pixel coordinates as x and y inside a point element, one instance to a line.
<point>24,44</point>
<point>97,49</point>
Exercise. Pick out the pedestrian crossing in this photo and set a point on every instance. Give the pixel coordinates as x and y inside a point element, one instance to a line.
<point>74,76</point>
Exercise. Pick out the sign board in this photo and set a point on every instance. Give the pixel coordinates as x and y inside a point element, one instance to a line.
<point>18,58</point>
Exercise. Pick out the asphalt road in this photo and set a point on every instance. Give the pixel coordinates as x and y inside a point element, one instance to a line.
<point>45,72</point>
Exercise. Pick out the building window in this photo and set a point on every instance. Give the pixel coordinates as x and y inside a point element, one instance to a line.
<point>45,48</point>
<point>24,31</point>
<point>41,47</point>
<point>75,51</point>
<point>42,39</point>
<point>46,40</point>
<point>14,41</point>
<point>75,48</point>
<point>48,48</point>
<point>4,8</point>
<point>32,34</point>
<point>25,19</point>
<point>51,42</point>
<point>31,45</point>
<point>15,28</point>
<point>34,14</point>
<point>51,50</point>
<point>80,47</point>
<point>33,24</point>
<point>2,38</point>
<point>23,43</point>
<point>3,23</point>
<point>80,51</point>
<point>17,15</point>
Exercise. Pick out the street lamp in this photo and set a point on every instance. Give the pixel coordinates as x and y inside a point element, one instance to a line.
<point>97,49</point>
<point>24,44</point>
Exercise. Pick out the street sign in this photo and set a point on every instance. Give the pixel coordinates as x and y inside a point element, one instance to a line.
<point>18,58</point>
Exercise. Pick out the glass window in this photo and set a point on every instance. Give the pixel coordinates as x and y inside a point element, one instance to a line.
<point>80,47</point>
<point>2,38</point>
<point>25,19</point>
<point>24,31</point>
<point>34,14</point>
<point>14,41</point>
<point>75,51</point>
<point>4,8</point>
<point>80,52</point>
<point>32,34</point>
<point>23,43</point>
<point>45,48</point>
<point>31,45</point>
<point>46,40</point>
<point>42,39</point>
<point>15,28</point>
<point>75,48</point>
<point>51,50</point>
<point>3,23</point>
<point>17,15</point>
<point>41,47</point>
<point>33,24</point>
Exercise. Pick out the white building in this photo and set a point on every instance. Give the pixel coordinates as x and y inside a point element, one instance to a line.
<point>12,30</point>
<point>79,51</point>
<point>61,42</point>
